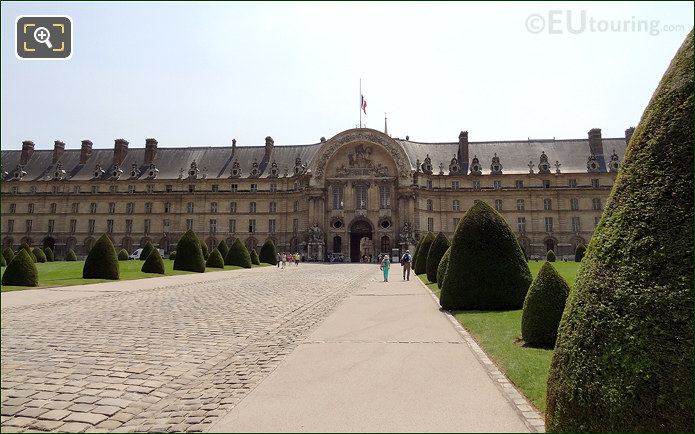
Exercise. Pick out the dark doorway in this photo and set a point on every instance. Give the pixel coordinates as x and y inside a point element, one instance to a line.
<point>49,242</point>
<point>360,229</point>
<point>337,244</point>
<point>550,245</point>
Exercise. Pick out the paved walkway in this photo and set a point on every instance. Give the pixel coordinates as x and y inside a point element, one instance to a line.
<point>249,350</point>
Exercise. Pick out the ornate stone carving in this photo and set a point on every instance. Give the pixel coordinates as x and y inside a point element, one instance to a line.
<point>255,171</point>
<point>152,171</point>
<point>134,172</point>
<point>543,165</point>
<point>496,166</point>
<point>315,234</point>
<point>193,170</point>
<point>454,166</point>
<point>19,172</point>
<point>236,169</point>
<point>59,172</point>
<point>614,164</point>
<point>98,171</point>
<point>274,172</point>
<point>592,165</point>
<point>405,235</point>
<point>427,165</point>
<point>557,167</point>
<point>116,172</point>
<point>476,167</point>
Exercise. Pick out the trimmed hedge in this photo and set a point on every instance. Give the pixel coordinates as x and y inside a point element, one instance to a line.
<point>39,255</point>
<point>623,360</point>
<point>189,255</point>
<point>254,257</point>
<point>204,249</point>
<point>3,263</point>
<point>422,252</point>
<point>26,247</point>
<point>102,262</point>
<point>487,269</point>
<point>543,307</point>
<point>48,252</point>
<point>443,265</point>
<point>70,256</point>
<point>215,259</point>
<point>437,249</point>
<point>21,271</point>
<point>223,248</point>
<point>123,255</point>
<point>8,254</point>
<point>550,256</point>
<point>579,252</point>
<point>146,250</point>
<point>269,253</point>
<point>153,263</point>
<point>238,255</point>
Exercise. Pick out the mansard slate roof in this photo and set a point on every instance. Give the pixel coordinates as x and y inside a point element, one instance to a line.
<point>216,162</point>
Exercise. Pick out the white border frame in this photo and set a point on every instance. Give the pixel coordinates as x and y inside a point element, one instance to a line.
<point>72,39</point>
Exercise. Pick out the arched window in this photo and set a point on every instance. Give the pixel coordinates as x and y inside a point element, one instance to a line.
<point>456,205</point>
<point>386,245</point>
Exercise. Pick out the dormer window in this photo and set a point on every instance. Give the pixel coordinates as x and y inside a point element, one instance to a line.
<point>476,167</point>
<point>116,173</point>
<point>236,169</point>
<point>193,170</point>
<point>427,165</point>
<point>59,173</point>
<point>98,172</point>
<point>134,172</point>
<point>152,171</point>
<point>274,170</point>
<point>614,164</point>
<point>592,165</point>
<point>543,165</point>
<point>496,166</point>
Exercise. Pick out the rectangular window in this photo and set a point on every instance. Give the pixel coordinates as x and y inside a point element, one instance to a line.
<point>189,207</point>
<point>189,224</point>
<point>252,226</point>
<point>30,208</point>
<point>112,207</point>
<point>73,226</point>
<point>594,183</point>
<point>252,207</point>
<point>51,226</point>
<point>455,185</point>
<point>234,188</point>
<point>55,189</point>
<point>272,207</point>
<point>76,189</point>
<point>10,226</point>
<point>167,207</point>
<point>521,224</point>
<point>574,204</point>
<point>429,205</point>
<point>32,189</point>
<point>548,224</point>
<point>476,185</point>
<point>596,204</point>
<point>130,208</point>
<point>169,188</point>
<point>519,183</point>
<point>128,226</point>
<point>232,226</point>
<point>148,207</point>
<point>456,222</point>
<point>213,207</point>
<point>430,224</point>
<point>146,227</point>
<point>546,183</point>
<point>75,207</point>
<point>13,208</point>
<point>113,189</point>
<point>497,184</point>
<point>572,183</point>
<point>29,224</point>
<point>273,187</point>
<point>150,188</point>
<point>232,208</point>
<point>575,224</point>
<point>295,206</point>
<point>15,190</point>
<point>109,226</point>
<point>215,188</point>
<point>498,204</point>
<point>337,197</point>
<point>93,208</point>
<point>384,197</point>
<point>131,189</point>
<point>213,226</point>
<point>361,196</point>
<point>295,225</point>
<point>166,225</point>
<point>271,226</point>
<point>254,188</point>
<point>90,226</point>
<point>456,205</point>
<point>95,189</point>
<point>54,208</point>
<point>547,204</point>
<point>191,188</point>
<point>520,204</point>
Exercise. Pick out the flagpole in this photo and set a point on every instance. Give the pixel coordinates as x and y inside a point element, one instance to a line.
<point>361,103</point>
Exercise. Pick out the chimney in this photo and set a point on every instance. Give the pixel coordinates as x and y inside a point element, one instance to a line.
<point>463,151</point>
<point>595,142</point>
<point>58,149</point>
<point>268,148</point>
<point>86,151</point>
<point>150,150</point>
<point>27,151</point>
<point>120,149</point>
<point>628,134</point>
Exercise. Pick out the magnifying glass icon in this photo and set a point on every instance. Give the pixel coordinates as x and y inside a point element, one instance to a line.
<point>43,36</point>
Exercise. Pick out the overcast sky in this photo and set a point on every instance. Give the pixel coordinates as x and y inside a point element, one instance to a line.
<point>204,73</point>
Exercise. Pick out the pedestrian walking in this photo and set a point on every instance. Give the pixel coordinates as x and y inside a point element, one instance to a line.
<point>296,259</point>
<point>278,260</point>
<point>283,259</point>
<point>385,265</point>
<point>406,261</point>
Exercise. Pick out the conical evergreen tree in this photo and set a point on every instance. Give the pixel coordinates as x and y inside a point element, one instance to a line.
<point>8,253</point>
<point>39,255</point>
<point>189,255</point>
<point>254,257</point>
<point>579,252</point>
<point>238,255</point>
<point>223,248</point>
<point>543,307</point>
<point>437,249</point>
<point>146,250</point>
<point>26,247</point>
<point>123,255</point>
<point>443,265</point>
<point>50,257</point>
<point>550,256</point>
<point>269,254</point>
<point>101,262</point>
<point>21,271</point>
<point>153,263</point>
<point>215,259</point>
<point>70,256</point>
<point>3,263</point>
<point>623,360</point>
<point>204,249</point>
<point>423,250</point>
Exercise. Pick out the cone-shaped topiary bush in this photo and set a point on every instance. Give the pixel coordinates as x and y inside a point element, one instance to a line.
<point>269,254</point>
<point>21,271</point>
<point>123,255</point>
<point>70,256</point>
<point>48,252</point>
<point>204,249</point>
<point>437,250</point>
<point>422,252</point>
<point>550,256</point>
<point>579,252</point>
<point>238,255</point>
<point>3,263</point>
<point>223,248</point>
<point>8,253</point>
<point>254,257</point>
<point>623,360</point>
<point>39,255</point>
<point>101,262</point>
<point>172,255</point>
<point>146,250</point>
<point>487,269</point>
<point>153,263</point>
<point>543,307</point>
<point>215,259</point>
<point>443,265</point>
<point>189,255</point>
<point>26,247</point>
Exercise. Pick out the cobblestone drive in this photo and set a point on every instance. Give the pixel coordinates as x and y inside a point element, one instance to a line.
<point>172,358</point>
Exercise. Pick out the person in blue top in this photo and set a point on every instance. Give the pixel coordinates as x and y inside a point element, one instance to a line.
<point>406,261</point>
<point>385,265</point>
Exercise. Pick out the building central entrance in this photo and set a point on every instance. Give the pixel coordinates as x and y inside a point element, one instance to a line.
<point>359,230</point>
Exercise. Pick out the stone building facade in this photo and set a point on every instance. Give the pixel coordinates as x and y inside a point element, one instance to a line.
<point>358,192</point>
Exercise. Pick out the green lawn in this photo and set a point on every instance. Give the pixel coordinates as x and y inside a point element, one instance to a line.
<point>498,333</point>
<point>70,273</point>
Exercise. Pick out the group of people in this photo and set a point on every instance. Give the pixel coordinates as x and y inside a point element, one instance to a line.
<point>285,257</point>
<point>406,262</point>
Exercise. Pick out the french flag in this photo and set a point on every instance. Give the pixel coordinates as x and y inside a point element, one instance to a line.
<point>363,104</point>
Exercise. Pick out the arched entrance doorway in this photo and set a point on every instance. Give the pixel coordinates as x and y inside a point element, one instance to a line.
<point>49,242</point>
<point>359,229</point>
<point>550,245</point>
